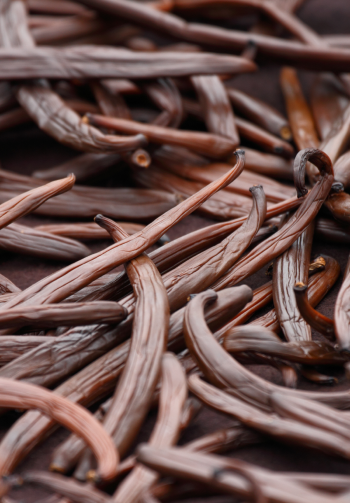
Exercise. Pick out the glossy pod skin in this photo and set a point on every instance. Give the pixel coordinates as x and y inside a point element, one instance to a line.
<point>23,395</point>
<point>279,242</point>
<point>260,113</point>
<point>105,62</point>
<point>39,243</point>
<point>133,394</point>
<point>166,431</point>
<point>86,231</point>
<point>317,320</point>
<point>289,268</point>
<point>216,106</point>
<point>65,314</point>
<point>287,430</point>
<point>48,290</point>
<point>220,472</point>
<point>258,339</point>
<point>208,144</point>
<point>44,106</point>
<point>13,346</point>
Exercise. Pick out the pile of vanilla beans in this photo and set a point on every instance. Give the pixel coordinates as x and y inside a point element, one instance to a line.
<point>120,80</point>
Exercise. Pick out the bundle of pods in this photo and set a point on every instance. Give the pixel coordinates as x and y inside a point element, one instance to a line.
<point>144,87</point>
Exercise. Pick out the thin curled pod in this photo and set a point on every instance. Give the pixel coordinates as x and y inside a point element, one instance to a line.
<point>208,144</point>
<point>260,113</point>
<point>294,429</point>
<point>258,339</point>
<point>225,372</point>
<point>86,230</point>
<point>28,241</point>
<point>279,242</point>
<point>291,267</point>
<point>218,114</point>
<point>133,394</point>
<point>27,202</point>
<point>215,471</point>
<point>318,321</point>
<point>66,314</point>
<point>83,166</point>
<point>67,281</point>
<point>165,432</point>
<point>23,395</point>
<point>44,106</point>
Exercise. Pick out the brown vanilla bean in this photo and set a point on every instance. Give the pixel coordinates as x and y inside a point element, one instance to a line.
<point>105,62</point>
<point>165,95</point>
<point>86,231</point>
<point>132,398</point>
<point>279,242</point>
<point>331,231</point>
<point>218,472</point>
<point>38,243</point>
<point>216,106</point>
<point>260,113</point>
<point>23,395</point>
<point>287,430</point>
<point>258,339</point>
<point>13,346</point>
<point>66,314</point>
<point>317,320</point>
<point>291,267</point>
<point>166,430</point>
<point>48,290</point>
<point>208,144</point>
<point>341,313</point>
<point>22,204</point>
<point>342,169</point>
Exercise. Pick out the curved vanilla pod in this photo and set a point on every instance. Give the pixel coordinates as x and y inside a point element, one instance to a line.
<point>268,164</point>
<point>290,267</point>
<point>200,271</point>
<point>83,166</point>
<point>14,346</point>
<point>220,472</point>
<point>225,372</point>
<point>214,101</point>
<point>293,428</point>
<point>281,240</point>
<point>137,383</point>
<point>258,339</point>
<point>260,113</point>
<point>166,431</point>
<point>165,95</point>
<point>318,321</point>
<point>65,486</point>
<point>45,107</point>
<point>15,394</point>
<point>37,243</point>
<point>67,281</point>
<point>208,144</point>
<point>327,103</point>
<point>64,314</point>
<point>86,230</point>
<point>24,203</point>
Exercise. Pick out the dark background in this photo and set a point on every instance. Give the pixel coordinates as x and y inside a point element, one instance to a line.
<point>26,149</point>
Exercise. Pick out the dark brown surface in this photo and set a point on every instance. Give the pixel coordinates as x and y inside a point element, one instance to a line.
<point>26,149</point>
